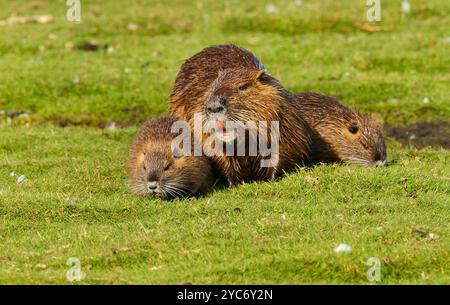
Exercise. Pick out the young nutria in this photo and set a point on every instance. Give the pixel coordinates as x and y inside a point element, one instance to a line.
<point>155,169</point>
<point>228,83</point>
<point>199,71</point>
<point>340,133</point>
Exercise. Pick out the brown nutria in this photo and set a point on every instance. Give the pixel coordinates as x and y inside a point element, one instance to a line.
<point>154,168</point>
<point>340,133</point>
<point>199,71</point>
<point>229,84</point>
<point>249,95</point>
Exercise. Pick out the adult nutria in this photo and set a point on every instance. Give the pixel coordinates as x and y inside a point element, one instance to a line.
<point>199,71</point>
<point>229,84</point>
<point>340,133</point>
<point>154,168</point>
<point>250,95</point>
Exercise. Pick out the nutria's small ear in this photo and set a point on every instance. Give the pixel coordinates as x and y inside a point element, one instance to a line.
<point>264,77</point>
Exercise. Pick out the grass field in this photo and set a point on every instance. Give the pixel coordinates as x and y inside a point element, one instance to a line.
<point>59,102</point>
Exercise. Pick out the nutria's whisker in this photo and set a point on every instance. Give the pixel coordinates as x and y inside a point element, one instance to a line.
<point>179,190</point>
<point>167,191</point>
<point>359,161</point>
<point>176,194</point>
<point>139,188</point>
<point>171,191</point>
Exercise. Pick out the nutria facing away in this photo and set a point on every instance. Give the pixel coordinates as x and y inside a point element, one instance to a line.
<point>229,84</point>
<point>199,71</point>
<point>340,133</point>
<point>154,169</point>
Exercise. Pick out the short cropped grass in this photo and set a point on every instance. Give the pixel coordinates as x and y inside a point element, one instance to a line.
<point>56,100</point>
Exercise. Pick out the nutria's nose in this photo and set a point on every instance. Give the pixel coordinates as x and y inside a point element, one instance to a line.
<point>380,163</point>
<point>380,159</point>
<point>214,108</point>
<point>216,105</point>
<point>152,185</point>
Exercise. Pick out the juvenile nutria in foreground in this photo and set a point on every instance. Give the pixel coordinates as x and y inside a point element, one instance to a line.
<point>340,133</point>
<point>229,84</point>
<point>155,170</point>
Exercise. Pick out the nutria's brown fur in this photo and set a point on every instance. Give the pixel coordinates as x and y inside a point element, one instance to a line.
<point>248,94</point>
<point>199,71</point>
<point>340,133</point>
<point>222,71</point>
<point>154,170</point>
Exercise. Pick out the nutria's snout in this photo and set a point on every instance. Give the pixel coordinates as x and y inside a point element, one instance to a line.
<point>153,187</point>
<point>380,163</point>
<point>152,184</point>
<point>216,105</point>
<point>216,108</point>
<point>380,157</point>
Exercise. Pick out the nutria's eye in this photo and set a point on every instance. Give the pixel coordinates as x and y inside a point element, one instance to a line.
<point>354,128</point>
<point>167,167</point>
<point>244,87</point>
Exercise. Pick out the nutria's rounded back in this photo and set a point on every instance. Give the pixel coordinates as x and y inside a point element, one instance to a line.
<point>340,133</point>
<point>154,169</point>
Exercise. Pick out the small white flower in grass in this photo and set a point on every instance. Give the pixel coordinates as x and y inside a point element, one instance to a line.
<point>426,100</point>
<point>447,40</point>
<point>76,80</point>
<point>271,9</point>
<point>343,248</point>
<point>433,236</point>
<point>111,127</point>
<point>12,174</point>
<point>406,6</point>
<point>298,2</point>
<point>23,116</point>
<point>21,179</point>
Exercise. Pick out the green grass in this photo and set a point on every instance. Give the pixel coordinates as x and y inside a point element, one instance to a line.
<point>76,203</point>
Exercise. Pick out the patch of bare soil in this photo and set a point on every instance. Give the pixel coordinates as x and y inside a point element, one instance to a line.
<point>422,134</point>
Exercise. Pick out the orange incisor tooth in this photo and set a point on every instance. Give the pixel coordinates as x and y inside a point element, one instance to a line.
<point>220,125</point>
